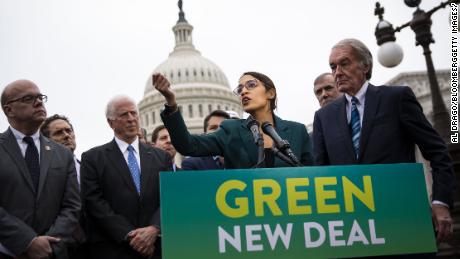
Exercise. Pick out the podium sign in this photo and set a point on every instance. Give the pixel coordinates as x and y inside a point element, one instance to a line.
<point>306,212</point>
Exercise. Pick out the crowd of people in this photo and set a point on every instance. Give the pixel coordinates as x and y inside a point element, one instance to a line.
<point>107,205</point>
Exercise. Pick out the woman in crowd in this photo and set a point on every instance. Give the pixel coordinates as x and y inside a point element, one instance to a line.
<point>234,141</point>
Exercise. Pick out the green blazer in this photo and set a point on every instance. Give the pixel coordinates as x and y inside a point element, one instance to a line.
<point>234,141</point>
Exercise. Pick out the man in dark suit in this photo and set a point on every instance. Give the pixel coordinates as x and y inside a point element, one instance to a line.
<point>325,89</point>
<point>379,125</point>
<point>211,124</point>
<point>161,140</point>
<point>120,189</point>
<point>59,129</point>
<point>39,200</point>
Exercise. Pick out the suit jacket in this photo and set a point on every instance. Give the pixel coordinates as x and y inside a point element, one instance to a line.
<point>234,141</point>
<point>52,211</point>
<point>393,123</point>
<point>111,202</point>
<point>201,163</point>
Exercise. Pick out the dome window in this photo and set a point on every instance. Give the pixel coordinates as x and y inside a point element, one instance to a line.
<point>186,73</point>
<point>202,73</point>
<point>200,110</point>
<point>209,108</point>
<point>194,72</point>
<point>190,111</point>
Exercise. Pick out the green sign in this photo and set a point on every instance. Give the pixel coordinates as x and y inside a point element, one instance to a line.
<point>307,212</point>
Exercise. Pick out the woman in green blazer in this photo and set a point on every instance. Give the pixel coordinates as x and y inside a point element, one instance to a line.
<point>233,140</point>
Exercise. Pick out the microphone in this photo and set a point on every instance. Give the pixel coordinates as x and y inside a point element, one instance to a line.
<point>253,126</point>
<point>280,143</point>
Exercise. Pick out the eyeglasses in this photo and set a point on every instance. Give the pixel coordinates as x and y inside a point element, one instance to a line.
<point>30,99</point>
<point>250,84</point>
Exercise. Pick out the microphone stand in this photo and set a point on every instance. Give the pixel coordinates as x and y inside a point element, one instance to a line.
<point>260,151</point>
<point>285,148</point>
<point>282,156</point>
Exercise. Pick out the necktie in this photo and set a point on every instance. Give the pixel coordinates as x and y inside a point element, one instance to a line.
<point>134,168</point>
<point>355,125</point>
<point>32,161</point>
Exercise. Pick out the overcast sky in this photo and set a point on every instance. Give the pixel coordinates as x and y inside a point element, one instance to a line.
<point>83,52</point>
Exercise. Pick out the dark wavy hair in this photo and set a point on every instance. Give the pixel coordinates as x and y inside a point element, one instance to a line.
<point>44,128</point>
<point>215,113</point>
<point>156,131</point>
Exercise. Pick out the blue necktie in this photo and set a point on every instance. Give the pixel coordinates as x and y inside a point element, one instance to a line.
<point>355,125</point>
<point>134,168</point>
<point>32,161</point>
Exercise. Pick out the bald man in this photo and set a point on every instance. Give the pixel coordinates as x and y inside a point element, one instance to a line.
<point>39,198</point>
<point>325,89</point>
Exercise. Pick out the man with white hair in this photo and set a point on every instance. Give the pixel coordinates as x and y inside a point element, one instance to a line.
<point>380,125</point>
<point>120,189</point>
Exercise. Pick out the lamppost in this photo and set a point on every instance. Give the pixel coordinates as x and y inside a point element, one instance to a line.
<point>390,55</point>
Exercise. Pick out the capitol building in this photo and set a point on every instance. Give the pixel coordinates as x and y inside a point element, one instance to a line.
<point>199,84</point>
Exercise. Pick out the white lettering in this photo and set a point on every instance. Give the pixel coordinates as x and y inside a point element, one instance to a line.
<point>278,234</point>
<point>234,240</point>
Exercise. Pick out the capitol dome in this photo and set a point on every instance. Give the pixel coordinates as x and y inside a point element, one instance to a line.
<point>199,84</point>
<point>189,67</point>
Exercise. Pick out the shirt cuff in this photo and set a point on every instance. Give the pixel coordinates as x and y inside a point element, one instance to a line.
<point>436,202</point>
<point>170,109</point>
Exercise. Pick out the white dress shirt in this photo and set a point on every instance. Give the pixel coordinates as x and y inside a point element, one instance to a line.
<point>124,150</point>
<point>361,96</point>
<point>77,168</point>
<point>22,144</point>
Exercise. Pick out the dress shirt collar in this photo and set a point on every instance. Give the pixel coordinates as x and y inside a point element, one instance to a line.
<point>20,136</point>
<point>124,146</point>
<point>360,95</point>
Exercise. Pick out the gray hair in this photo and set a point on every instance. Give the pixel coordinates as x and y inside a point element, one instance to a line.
<point>361,51</point>
<point>110,110</point>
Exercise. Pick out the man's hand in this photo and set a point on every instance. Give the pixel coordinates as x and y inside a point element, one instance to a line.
<point>163,86</point>
<point>442,222</point>
<point>143,240</point>
<point>40,247</point>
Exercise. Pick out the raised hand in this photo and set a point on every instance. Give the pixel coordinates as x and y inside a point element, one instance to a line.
<point>162,84</point>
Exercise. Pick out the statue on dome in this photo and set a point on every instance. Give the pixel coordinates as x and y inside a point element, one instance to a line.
<point>180,5</point>
<point>181,12</point>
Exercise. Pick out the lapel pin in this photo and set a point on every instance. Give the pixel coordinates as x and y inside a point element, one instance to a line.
<point>47,148</point>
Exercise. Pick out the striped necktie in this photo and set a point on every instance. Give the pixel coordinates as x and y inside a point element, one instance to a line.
<point>355,125</point>
<point>134,168</point>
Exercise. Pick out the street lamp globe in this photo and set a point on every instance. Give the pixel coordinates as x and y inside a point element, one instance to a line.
<point>390,54</point>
